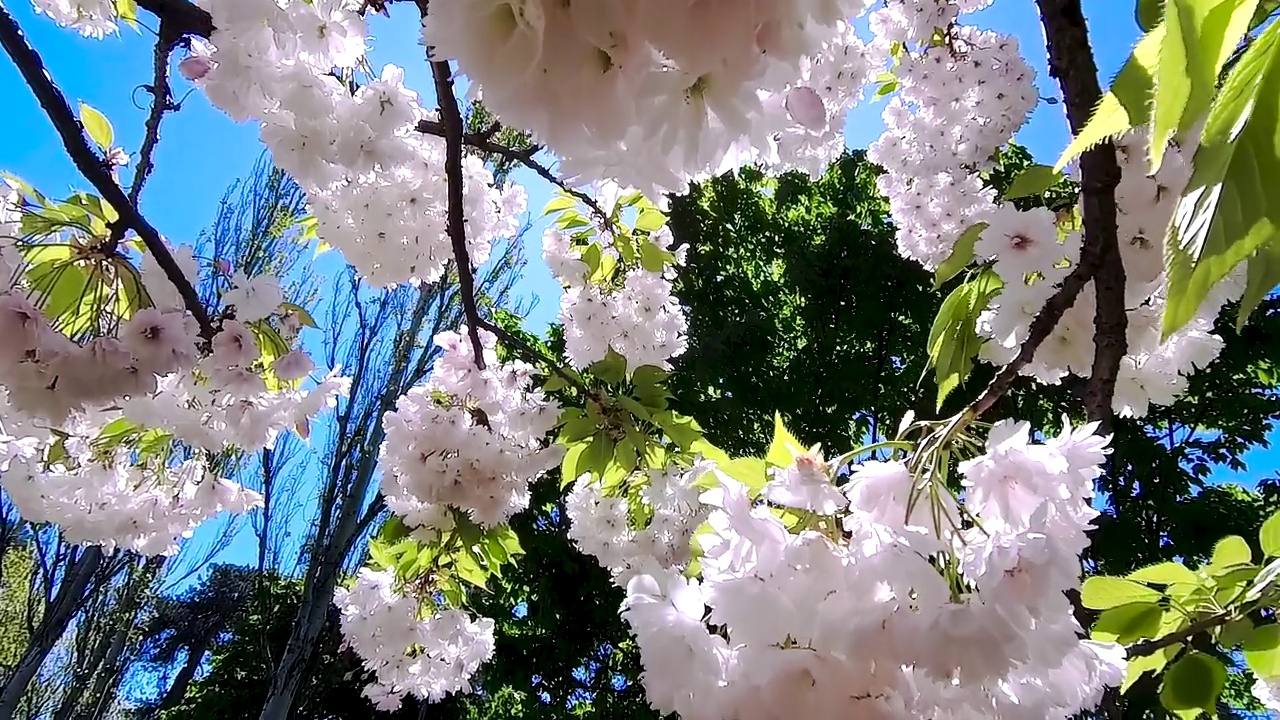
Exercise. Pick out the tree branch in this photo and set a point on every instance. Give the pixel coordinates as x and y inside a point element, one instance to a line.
<point>1149,647</point>
<point>452,120</point>
<point>484,142</point>
<point>90,164</point>
<point>161,102</point>
<point>1071,62</point>
<point>184,18</point>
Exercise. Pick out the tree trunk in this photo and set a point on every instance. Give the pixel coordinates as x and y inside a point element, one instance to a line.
<point>109,676</point>
<point>56,618</point>
<point>178,689</point>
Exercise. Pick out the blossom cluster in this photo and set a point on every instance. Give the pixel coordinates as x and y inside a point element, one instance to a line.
<point>1026,242</point>
<point>889,614</point>
<point>640,91</point>
<point>632,309</point>
<point>603,526</point>
<point>100,492</point>
<point>374,182</point>
<point>469,438</point>
<point>409,655</point>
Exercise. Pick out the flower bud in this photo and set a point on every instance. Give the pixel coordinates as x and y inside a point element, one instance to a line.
<point>195,67</point>
<point>806,108</point>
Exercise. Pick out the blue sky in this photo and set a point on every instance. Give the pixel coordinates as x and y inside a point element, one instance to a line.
<point>202,151</point>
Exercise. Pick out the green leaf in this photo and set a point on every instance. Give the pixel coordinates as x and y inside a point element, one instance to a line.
<point>784,447</point>
<point>1034,180</point>
<point>885,88</point>
<point>1231,550</point>
<point>1230,207</point>
<point>648,376</point>
<point>707,450</point>
<point>1143,664</point>
<point>1199,37</point>
<point>612,369</point>
<point>127,10</point>
<point>1261,277</point>
<point>1262,651</point>
<point>577,429</point>
<point>1269,536</point>
<point>1124,107</point>
<point>1127,623</point>
<point>953,340</point>
<point>1165,573</point>
<point>1148,14</point>
<point>651,257</point>
<point>467,566</point>
<point>591,256</point>
<point>750,471</point>
<point>598,454</point>
<point>97,125</point>
<point>961,255</point>
<point>559,203</point>
<point>1103,592</point>
<point>1192,684</point>
<point>1235,632</point>
<point>650,220</point>
<point>571,467</point>
<point>299,312</point>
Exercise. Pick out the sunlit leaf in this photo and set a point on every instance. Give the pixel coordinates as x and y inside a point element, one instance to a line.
<point>1102,592</point>
<point>97,125</point>
<point>1192,685</point>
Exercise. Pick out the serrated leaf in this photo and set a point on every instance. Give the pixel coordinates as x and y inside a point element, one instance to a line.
<point>707,450</point>
<point>467,566</point>
<point>577,429</point>
<point>1165,573</point>
<point>651,257</point>
<point>1148,14</point>
<point>558,203</point>
<point>1127,623</point>
<point>1124,107</point>
<point>1199,37</point>
<point>598,454</point>
<point>961,255</point>
<point>612,369</point>
<point>650,220</point>
<point>1261,277</point>
<point>750,471</point>
<point>1231,550</point>
<point>1192,684</point>
<point>1230,207</point>
<point>1138,666</point>
<point>1262,651</point>
<point>784,447</point>
<point>1034,180</point>
<point>1269,536</point>
<point>571,465</point>
<point>97,125</point>
<point>1103,592</point>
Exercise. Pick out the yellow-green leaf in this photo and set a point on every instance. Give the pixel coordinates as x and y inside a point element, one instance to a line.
<point>1269,536</point>
<point>650,220</point>
<point>1102,592</point>
<point>1230,207</point>
<point>97,125</point>
<point>1192,684</point>
<point>1165,573</point>
<point>1124,107</point>
<point>960,256</point>
<point>558,203</point>
<point>1034,180</point>
<point>1126,623</point>
<point>1231,550</point>
<point>784,447</point>
<point>1262,651</point>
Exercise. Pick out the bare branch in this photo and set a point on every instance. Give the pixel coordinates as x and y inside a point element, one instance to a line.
<point>90,164</point>
<point>452,120</point>
<point>161,102</point>
<point>484,142</point>
<point>1071,63</point>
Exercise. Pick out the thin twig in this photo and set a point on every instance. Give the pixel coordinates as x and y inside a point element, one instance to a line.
<point>532,355</point>
<point>161,102</point>
<point>1148,647</point>
<point>452,119</point>
<point>90,164</point>
<point>484,142</point>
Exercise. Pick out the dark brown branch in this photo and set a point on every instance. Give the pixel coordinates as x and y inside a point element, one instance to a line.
<point>184,18</point>
<point>1071,62</point>
<point>161,102</point>
<point>484,142</point>
<point>1149,647</point>
<point>90,164</point>
<point>451,118</point>
<point>532,355</point>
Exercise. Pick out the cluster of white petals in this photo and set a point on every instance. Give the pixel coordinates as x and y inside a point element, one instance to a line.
<point>101,493</point>
<point>1153,371</point>
<point>375,183</point>
<point>634,313</point>
<point>91,18</point>
<point>470,439</point>
<point>885,616</point>
<point>656,92</point>
<point>426,657</point>
<point>603,526</point>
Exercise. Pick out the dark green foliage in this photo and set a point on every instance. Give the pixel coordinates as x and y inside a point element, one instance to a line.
<point>798,302</point>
